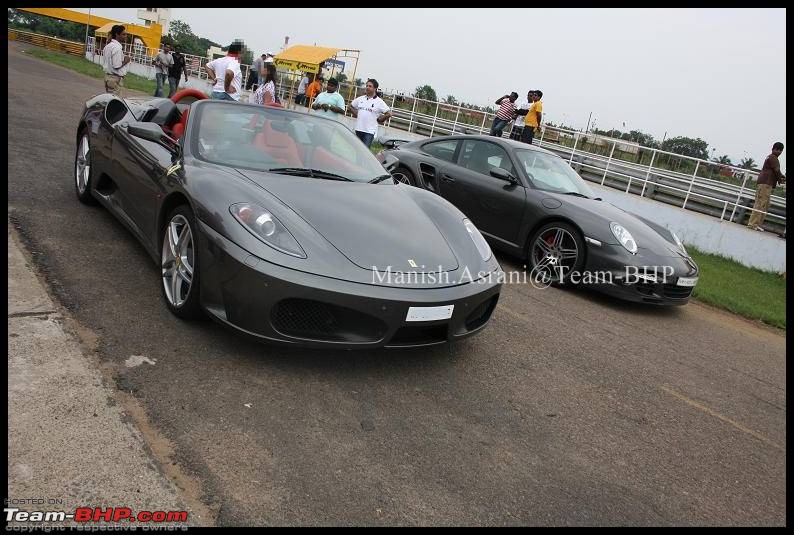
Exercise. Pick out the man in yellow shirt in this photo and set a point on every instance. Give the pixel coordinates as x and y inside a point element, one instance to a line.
<point>534,115</point>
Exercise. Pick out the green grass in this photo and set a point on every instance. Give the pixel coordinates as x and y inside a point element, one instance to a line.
<point>131,81</point>
<point>375,147</point>
<point>752,293</point>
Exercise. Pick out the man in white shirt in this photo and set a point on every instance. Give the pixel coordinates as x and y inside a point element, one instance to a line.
<point>301,97</point>
<point>518,126</point>
<point>163,61</point>
<point>225,74</point>
<point>369,111</point>
<point>115,61</point>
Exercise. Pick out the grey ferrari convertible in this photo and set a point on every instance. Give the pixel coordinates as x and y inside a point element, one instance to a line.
<point>282,225</point>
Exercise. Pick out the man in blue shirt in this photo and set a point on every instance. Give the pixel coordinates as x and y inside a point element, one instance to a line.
<point>330,103</point>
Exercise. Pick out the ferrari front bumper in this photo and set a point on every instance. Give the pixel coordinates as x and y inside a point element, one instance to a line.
<point>277,304</point>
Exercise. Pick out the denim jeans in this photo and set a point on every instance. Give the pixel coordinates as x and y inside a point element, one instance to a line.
<point>498,126</point>
<point>221,95</point>
<point>173,85</point>
<point>366,137</point>
<point>161,78</point>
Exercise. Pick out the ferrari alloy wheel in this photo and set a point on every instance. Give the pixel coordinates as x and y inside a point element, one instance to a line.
<point>82,170</point>
<point>179,264</point>
<point>556,251</point>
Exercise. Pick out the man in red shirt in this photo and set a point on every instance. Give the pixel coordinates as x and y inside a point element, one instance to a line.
<point>768,178</point>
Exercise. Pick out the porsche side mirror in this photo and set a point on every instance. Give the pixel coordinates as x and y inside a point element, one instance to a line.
<point>153,132</point>
<point>501,174</point>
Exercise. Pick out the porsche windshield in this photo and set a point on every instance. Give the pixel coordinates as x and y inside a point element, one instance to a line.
<point>260,138</point>
<point>552,173</point>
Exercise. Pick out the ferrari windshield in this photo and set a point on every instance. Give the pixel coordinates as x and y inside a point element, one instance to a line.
<point>265,139</point>
<point>552,173</point>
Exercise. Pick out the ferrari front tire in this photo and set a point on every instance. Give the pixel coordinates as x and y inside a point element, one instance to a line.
<point>180,264</point>
<point>83,170</point>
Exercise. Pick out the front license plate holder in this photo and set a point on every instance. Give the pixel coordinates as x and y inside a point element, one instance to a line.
<point>687,281</point>
<point>443,312</point>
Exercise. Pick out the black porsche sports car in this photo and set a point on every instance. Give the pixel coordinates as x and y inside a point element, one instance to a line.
<point>283,225</point>
<point>528,202</point>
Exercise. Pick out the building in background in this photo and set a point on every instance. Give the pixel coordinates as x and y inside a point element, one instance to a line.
<point>156,15</point>
<point>215,52</point>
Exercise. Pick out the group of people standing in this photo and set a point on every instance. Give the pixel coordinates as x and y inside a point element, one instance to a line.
<point>169,65</point>
<point>527,115</point>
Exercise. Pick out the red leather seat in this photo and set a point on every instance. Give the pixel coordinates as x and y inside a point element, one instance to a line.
<point>324,159</point>
<point>179,127</point>
<point>278,145</point>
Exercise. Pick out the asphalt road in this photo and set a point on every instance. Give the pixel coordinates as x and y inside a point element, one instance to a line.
<point>570,408</point>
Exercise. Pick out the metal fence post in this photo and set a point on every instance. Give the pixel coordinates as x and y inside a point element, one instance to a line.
<point>573,151</point>
<point>411,118</point>
<point>433,126</point>
<point>648,174</point>
<point>543,131</point>
<point>691,183</point>
<point>603,178</point>
<point>738,197</point>
<point>393,100</point>
<point>455,125</point>
<point>484,118</point>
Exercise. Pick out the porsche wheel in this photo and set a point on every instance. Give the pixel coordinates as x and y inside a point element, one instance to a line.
<point>401,174</point>
<point>82,170</point>
<point>180,270</point>
<point>555,251</point>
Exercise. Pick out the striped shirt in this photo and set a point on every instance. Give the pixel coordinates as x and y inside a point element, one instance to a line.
<point>506,110</point>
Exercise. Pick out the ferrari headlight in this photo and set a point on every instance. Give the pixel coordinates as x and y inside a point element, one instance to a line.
<point>479,241</point>
<point>624,237</point>
<point>267,228</point>
<point>679,242</point>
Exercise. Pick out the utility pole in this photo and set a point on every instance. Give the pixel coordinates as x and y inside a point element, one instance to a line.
<point>586,130</point>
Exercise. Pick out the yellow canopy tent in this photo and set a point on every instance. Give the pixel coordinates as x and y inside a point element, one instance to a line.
<point>308,58</point>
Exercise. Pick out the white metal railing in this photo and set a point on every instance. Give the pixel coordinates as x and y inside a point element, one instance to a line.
<point>467,120</point>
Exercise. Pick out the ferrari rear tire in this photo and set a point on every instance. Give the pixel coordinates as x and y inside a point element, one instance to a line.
<point>180,264</point>
<point>555,251</point>
<point>83,178</point>
<point>402,174</point>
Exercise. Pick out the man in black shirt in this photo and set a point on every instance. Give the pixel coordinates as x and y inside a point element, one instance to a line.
<point>175,71</point>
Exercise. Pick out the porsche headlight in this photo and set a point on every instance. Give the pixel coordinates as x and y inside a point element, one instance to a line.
<point>479,241</point>
<point>267,228</point>
<point>679,242</point>
<point>624,237</point>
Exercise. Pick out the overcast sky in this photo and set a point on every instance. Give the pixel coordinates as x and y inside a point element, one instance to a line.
<point>718,74</point>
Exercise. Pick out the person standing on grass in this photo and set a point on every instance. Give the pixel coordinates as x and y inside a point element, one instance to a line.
<point>767,180</point>
<point>505,114</point>
<point>162,63</point>
<point>330,103</point>
<point>115,61</point>
<point>225,74</point>
<point>176,70</point>
<point>369,111</point>
<point>533,118</point>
